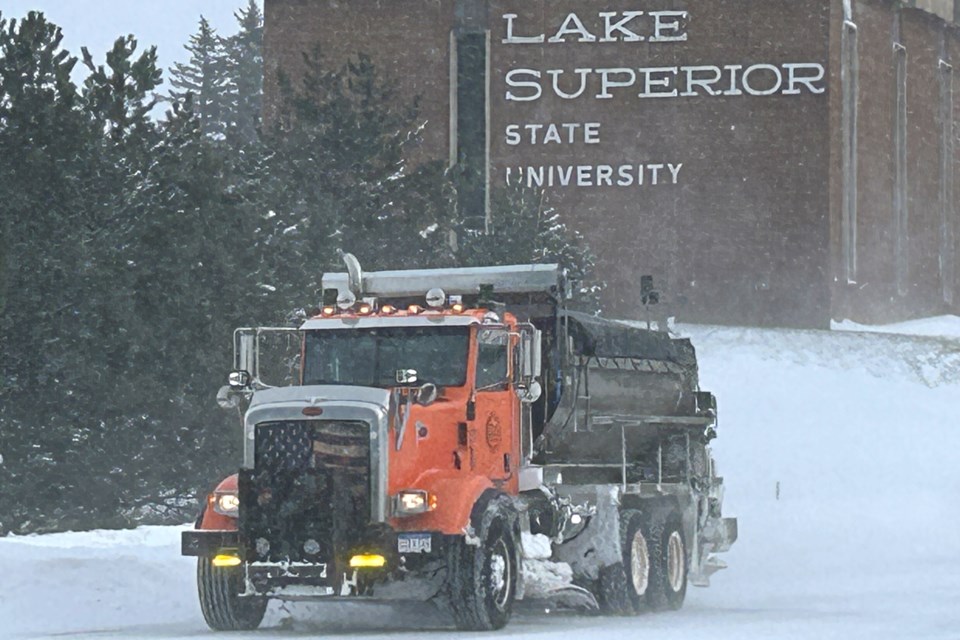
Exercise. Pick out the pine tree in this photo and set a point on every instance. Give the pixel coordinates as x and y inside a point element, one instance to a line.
<point>118,94</point>
<point>335,176</point>
<point>44,151</point>
<point>206,78</point>
<point>37,109</point>
<point>243,57</point>
<point>524,229</point>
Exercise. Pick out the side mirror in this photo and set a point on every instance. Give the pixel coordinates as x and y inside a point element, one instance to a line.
<point>532,354</point>
<point>427,394</point>
<point>530,394</point>
<point>227,398</point>
<point>239,380</point>
<point>245,353</point>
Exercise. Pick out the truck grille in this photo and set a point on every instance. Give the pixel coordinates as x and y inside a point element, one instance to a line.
<point>310,482</point>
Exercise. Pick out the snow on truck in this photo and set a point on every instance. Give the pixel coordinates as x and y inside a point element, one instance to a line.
<point>445,423</point>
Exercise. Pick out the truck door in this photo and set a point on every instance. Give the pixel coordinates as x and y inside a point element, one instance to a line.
<point>495,428</point>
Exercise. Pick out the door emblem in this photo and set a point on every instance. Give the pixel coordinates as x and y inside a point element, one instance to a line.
<point>494,432</point>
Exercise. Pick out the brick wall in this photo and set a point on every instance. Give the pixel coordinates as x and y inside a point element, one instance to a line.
<point>753,231</point>
<point>905,263</point>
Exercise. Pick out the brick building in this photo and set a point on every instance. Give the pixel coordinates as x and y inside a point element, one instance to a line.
<point>771,162</point>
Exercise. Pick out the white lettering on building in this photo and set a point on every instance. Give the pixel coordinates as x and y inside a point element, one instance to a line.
<point>667,82</point>
<point>623,80</point>
<point>618,26</point>
<point>600,175</point>
<point>552,133</point>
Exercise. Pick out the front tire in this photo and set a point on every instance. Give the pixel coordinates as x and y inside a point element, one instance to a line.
<point>482,580</point>
<point>220,601</point>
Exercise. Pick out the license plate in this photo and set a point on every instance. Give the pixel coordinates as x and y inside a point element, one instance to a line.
<point>414,543</point>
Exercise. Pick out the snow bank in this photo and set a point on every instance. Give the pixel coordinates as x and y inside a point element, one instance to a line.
<point>940,326</point>
<point>840,456</point>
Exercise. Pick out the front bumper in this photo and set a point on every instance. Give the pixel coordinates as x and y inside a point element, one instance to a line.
<point>206,544</point>
<point>414,568</point>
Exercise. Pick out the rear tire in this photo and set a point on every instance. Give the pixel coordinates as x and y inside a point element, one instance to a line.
<point>482,579</point>
<point>623,586</point>
<point>220,601</point>
<point>668,561</point>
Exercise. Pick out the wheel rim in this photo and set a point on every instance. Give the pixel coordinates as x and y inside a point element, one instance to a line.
<point>639,563</point>
<point>675,561</point>
<point>501,574</point>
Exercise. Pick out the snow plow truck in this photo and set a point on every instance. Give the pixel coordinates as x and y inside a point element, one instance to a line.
<point>440,422</point>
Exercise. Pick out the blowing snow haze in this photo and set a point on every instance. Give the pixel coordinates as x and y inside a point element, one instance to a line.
<point>556,300</point>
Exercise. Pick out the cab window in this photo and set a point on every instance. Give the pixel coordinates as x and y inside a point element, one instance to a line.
<point>492,359</point>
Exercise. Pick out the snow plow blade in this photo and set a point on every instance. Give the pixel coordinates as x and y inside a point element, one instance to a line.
<point>570,597</point>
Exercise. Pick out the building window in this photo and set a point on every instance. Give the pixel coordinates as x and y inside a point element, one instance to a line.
<point>850,80</point>
<point>947,215</point>
<point>900,206</point>
<point>470,140</point>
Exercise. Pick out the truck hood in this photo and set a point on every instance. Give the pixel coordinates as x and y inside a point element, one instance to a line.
<point>319,395</point>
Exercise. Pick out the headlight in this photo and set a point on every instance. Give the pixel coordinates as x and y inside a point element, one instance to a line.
<point>227,504</point>
<point>409,503</point>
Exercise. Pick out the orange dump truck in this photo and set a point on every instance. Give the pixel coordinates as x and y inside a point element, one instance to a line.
<point>442,420</point>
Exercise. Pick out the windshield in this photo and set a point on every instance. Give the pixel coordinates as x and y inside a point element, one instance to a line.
<point>372,357</point>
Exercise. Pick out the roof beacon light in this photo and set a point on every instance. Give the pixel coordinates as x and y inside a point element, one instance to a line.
<point>436,297</point>
<point>346,300</point>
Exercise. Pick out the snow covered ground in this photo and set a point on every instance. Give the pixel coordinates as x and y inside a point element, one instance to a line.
<point>860,432</point>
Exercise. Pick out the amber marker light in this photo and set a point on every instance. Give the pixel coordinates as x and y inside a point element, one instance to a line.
<point>458,307</point>
<point>329,311</point>
<point>365,310</point>
<point>414,309</point>
<point>367,561</point>
<point>226,560</point>
<point>388,309</point>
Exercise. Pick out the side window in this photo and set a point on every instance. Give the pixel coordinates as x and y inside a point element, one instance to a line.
<point>493,356</point>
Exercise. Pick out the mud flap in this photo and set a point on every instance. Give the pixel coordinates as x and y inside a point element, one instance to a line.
<point>718,536</point>
<point>598,545</point>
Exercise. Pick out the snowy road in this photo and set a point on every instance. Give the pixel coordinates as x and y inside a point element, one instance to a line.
<point>860,431</point>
